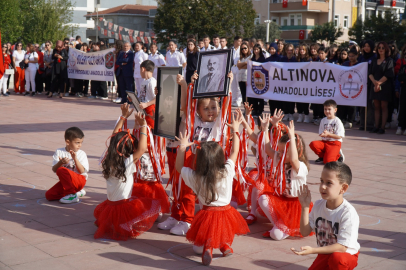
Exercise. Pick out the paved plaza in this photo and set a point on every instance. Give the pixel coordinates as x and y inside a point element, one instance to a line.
<point>37,234</point>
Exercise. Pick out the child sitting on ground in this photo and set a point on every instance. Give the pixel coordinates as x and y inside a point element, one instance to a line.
<point>334,220</point>
<point>331,131</point>
<point>71,166</point>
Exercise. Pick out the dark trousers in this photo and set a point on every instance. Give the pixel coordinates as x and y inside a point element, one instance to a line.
<point>402,109</point>
<point>302,108</point>
<point>39,82</point>
<point>98,88</point>
<point>243,89</point>
<point>346,113</point>
<point>58,84</point>
<point>273,104</point>
<point>48,83</point>
<point>287,107</point>
<point>125,84</point>
<point>318,111</point>
<point>257,105</point>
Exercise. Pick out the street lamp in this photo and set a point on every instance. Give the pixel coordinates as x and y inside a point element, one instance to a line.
<point>267,29</point>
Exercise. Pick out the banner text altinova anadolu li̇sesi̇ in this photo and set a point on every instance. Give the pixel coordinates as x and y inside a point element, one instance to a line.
<point>95,66</point>
<point>311,82</point>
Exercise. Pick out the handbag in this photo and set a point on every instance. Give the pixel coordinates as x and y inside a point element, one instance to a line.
<point>23,65</point>
<point>9,71</point>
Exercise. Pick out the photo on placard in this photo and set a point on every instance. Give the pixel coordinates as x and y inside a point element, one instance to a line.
<point>133,99</point>
<point>167,104</point>
<point>212,68</point>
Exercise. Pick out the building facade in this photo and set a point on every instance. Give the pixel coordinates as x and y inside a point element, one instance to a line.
<point>85,7</point>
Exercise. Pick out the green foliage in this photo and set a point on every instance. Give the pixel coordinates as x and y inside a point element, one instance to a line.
<point>35,21</point>
<point>260,32</point>
<point>175,19</point>
<point>379,28</point>
<point>326,31</point>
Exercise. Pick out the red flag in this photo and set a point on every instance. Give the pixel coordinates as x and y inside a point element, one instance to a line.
<point>1,61</point>
<point>110,25</point>
<point>120,36</point>
<point>285,3</point>
<point>146,40</point>
<point>382,2</point>
<point>131,39</point>
<point>393,4</point>
<point>101,19</point>
<point>304,2</point>
<point>141,34</point>
<point>105,32</point>
<point>302,34</point>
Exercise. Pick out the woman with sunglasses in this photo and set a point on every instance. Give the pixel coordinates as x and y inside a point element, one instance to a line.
<point>31,58</point>
<point>7,63</point>
<point>48,66</point>
<point>192,55</point>
<point>59,69</point>
<point>382,77</point>
<point>19,74</point>
<point>245,55</point>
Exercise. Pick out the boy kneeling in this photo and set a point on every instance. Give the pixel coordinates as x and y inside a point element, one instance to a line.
<point>334,220</point>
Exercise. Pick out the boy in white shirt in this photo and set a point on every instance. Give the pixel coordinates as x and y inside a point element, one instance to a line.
<point>71,166</point>
<point>146,94</point>
<point>223,43</point>
<point>334,220</point>
<point>332,132</point>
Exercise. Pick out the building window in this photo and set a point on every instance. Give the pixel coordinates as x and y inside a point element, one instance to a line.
<point>298,19</point>
<point>284,21</point>
<point>257,20</point>
<point>150,24</point>
<point>336,20</point>
<point>345,22</point>
<point>292,19</point>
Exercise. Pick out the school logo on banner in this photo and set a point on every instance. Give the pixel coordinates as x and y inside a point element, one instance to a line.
<point>350,84</point>
<point>259,80</point>
<point>109,57</point>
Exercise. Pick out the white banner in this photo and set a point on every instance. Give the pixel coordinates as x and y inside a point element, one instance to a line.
<point>95,66</point>
<point>311,82</point>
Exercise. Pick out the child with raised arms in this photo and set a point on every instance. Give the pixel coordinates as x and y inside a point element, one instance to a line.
<point>334,220</point>
<point>122,216</point>
<point>212,180</point>
<point>71,166</point>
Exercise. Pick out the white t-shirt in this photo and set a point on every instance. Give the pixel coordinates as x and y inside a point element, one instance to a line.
<point>117,189</point>
<point>30,57</point>
<point>334,126</point>
<point>147,92</point>
<point>82,158</point>
<point>175,59</point>
<point>19,57</point>
<point>295,180</point>
<point>146,171</point>
<point>224,187</point>
<point>335,226</point>
<point>159,61</point>
<point>242,73</point>
<point>210,48</point>
<point>206,131</point>
<point>139,57</point>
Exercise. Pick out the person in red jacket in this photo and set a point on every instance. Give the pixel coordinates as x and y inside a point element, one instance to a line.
<point>6,65</point>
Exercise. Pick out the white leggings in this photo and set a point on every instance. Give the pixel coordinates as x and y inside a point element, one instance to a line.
<point>3,83</point>
<point>30,79</point>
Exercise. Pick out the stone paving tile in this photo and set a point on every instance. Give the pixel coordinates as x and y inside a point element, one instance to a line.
<point>56,236</point>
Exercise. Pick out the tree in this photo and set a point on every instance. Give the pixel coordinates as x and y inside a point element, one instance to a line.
<point>35,21</point>
<point>326,31</point>
<point>175,19</point>
<point>260,31</point>
<point>356,32</point>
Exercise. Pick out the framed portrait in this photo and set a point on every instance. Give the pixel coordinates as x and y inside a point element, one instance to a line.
<point>167,103</point>
<point>133,99</point>
<point>212,68</point>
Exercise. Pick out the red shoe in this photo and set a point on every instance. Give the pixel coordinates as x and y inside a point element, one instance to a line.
<point>266,234</point>
<point>226,250</point>
<point>207,256</point>
<point>251,221</point>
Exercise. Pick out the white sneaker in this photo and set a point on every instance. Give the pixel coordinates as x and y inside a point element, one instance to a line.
<point>168,224</point>
<point>71,198</point>
<point>181,228</point>
<point>300,118</point>
<point>118,100</point>
<point>306,119</point>
<point>348,125</point>
<point>198,250</point>
<point>81,193</point>
<point>104,98</point>
<point>342,157</point>
<point>158,219</point>
<point>387,125</point>
<point>234,104</point>
<point>399,131</point>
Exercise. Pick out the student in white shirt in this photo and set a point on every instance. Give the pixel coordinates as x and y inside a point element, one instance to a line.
<point>30,58</point>
<point>334,220</point>
<point>201,44</point>
<point>157,58</point>
<point>175,58</point>
<point>139,57</point>
<point>216,224</point>
<point>206,46</point>
<point>216,42</point>
<point>223,43</point>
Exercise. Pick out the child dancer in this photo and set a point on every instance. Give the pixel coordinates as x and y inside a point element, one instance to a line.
<point>71,166</point>
<point>216,224</point>
<point>121,216</point>
<point>334,220</point>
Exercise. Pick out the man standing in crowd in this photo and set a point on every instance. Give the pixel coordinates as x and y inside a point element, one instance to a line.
<point>124,72</point>
<point>206,46</point>
<point>216,42</point>
<point>223,43</point>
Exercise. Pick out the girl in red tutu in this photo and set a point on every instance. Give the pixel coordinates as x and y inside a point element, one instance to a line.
<point>122,216</point>
<point>212,180</point>
<point>278,198</point>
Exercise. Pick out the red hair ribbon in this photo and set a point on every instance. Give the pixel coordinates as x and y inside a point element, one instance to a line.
<point>124,139</point>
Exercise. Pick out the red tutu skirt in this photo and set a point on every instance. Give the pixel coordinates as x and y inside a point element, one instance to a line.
<point>152,190</point>
<point>125,219</point>
<point>238,193</point>
<point>285,213</point>
<point>213,227</point>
